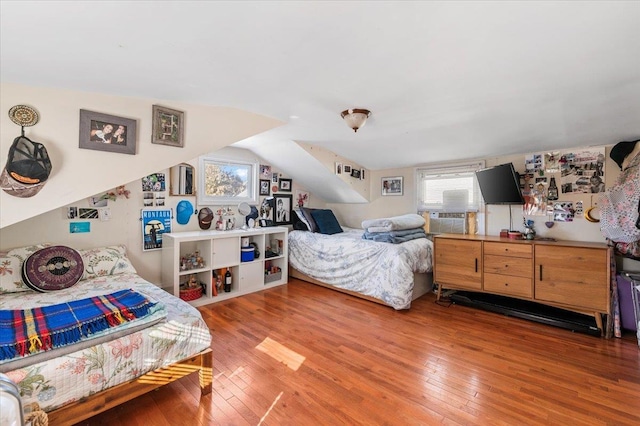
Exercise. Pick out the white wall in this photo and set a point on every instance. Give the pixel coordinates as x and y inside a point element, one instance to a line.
<point>79,173</point>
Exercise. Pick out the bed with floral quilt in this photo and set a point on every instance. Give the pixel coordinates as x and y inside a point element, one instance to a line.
<point>80,348</point>
<point>390,274</point>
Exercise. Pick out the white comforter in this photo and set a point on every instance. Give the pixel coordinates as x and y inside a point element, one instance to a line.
<point>380,270</point>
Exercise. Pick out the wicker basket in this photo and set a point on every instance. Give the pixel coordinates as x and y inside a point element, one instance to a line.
<point>193,293</point>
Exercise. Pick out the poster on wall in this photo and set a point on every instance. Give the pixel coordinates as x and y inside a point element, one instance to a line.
<point>154,223</point>
<point>582,171</point>
<point>578,171</point>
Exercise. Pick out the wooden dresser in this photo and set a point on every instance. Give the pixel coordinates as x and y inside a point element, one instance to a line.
<point>570,275</point>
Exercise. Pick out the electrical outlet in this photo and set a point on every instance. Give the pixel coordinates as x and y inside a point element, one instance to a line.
<point>104,214</point>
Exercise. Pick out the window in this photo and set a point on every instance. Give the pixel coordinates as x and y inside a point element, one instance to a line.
<point>227,181</point>
<point>451,188</point>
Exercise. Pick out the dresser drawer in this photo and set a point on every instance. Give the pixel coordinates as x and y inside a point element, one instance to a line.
<point>508,249</point>
<point>508,285</point>
<point>504,265</point>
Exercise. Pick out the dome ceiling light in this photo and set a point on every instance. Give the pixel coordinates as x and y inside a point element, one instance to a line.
<point>355,117</point>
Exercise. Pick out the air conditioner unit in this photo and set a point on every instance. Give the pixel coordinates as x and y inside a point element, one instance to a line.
<point>449,223</point>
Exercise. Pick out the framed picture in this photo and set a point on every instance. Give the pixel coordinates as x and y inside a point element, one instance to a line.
<point>104,132</point>
<point>264,186</point>
<point>285,185</point>
<point>274,177</point>
<point>265,171</point>
<point>392,185</point>
<point>283,208</point>
<point>338,168</point>
<point>266,212</point>
<point>154,224</point>
<point>168,126</point>
<point>347,169</point>
<point>355,173</point>
<point>302,198</point>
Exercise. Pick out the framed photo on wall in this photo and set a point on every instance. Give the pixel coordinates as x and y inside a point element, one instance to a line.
<point>285,185</point>
<point>104,132</point>
<point>283,209</point>
<point>392,186</point>
<point>264,186</point>
<point>168,126</point>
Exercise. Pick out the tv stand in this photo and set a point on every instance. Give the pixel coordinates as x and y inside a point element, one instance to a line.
<point>569,275</point>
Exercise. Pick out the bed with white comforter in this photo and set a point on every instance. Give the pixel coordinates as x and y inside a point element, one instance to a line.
<point>346,261</point>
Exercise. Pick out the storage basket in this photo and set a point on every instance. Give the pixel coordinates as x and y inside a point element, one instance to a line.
<point>193,293</point>
<point>272,277</point>
<point>247,254</point>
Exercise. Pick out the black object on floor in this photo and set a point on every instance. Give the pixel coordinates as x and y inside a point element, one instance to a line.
<point>528,310</point>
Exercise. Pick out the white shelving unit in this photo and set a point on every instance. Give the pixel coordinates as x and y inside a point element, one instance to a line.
<point>220,251</point>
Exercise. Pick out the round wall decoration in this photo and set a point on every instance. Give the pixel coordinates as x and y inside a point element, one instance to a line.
<point>52,268</point>
<point>23,115</point>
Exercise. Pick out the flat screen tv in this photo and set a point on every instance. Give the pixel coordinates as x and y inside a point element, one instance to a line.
<point>500,185</point>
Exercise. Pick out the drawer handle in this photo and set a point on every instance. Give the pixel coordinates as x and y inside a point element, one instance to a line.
<point>476,264</point>
<point>540,272</point>
<point>506,284</point>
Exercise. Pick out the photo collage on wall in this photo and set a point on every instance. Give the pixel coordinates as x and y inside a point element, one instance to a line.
<point>153,190</point>
<point>552,176</point>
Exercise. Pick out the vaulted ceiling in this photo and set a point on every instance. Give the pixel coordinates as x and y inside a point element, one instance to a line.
<point>444,80</point>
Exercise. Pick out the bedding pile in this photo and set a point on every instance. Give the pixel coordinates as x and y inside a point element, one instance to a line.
<point>394,230</point>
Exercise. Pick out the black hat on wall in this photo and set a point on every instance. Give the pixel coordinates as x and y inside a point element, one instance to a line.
<point>620,151</point>
<point>27,169</point>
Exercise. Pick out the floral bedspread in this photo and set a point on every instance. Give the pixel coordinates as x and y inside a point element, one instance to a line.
<point>380,270</point>
<point>68,378</point>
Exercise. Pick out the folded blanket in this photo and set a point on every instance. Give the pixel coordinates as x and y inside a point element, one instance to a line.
<point>29,331</point>
<point>395,237</point>
<point>395,223</point>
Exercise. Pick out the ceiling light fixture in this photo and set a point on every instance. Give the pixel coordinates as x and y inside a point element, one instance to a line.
<point>355,117</point>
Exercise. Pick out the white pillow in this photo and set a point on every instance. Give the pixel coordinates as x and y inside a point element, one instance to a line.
<point>11,268</point>
<point>102,261</point>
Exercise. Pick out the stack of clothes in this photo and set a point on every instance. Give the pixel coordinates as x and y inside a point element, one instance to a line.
<point>395,230</point>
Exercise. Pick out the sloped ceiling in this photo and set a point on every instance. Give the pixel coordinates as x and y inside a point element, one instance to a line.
<point>444,80</point>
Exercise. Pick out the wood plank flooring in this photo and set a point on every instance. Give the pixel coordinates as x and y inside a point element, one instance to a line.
<point>301,354</point>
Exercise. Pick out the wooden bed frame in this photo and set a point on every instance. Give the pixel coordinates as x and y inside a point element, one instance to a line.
<point>109,398</point>
<point>422,284</point>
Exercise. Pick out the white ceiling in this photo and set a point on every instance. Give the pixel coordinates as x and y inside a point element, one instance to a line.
<point>444,80</point>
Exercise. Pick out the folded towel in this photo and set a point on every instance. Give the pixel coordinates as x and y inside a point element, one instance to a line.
<point>395,237</point>
<point>395,223</point>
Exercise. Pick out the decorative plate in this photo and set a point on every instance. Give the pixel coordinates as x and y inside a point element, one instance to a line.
<point>23,115</point>
<point>52,268</point>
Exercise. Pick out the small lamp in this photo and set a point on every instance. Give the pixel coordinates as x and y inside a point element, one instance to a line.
<point>355,117</point>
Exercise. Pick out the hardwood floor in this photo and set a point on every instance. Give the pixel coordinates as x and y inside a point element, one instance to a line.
<point>300,354</point>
